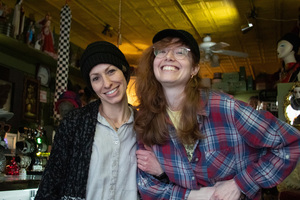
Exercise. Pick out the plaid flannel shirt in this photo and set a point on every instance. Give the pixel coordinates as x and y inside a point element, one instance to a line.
<point>254,148</point>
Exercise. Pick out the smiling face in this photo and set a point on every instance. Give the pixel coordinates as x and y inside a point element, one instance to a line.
<point>109,83</point>
<point>171,72</point>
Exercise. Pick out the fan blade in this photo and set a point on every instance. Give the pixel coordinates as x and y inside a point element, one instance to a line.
<point>206,45</point>
<point>218,46</point>
<point>231,53</point>
<point>215,61</point>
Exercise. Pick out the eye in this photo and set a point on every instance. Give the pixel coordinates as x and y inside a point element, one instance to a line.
<point>179,51</point>
<point>94,78</point>
<point>111,71</point>
<point>161,52</point>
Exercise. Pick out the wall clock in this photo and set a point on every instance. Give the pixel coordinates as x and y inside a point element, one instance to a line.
<point>44,75</point>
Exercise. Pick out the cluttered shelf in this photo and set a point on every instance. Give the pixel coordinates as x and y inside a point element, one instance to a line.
<point>27,53</point>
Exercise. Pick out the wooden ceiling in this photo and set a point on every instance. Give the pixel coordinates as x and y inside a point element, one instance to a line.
<point>139,20</point>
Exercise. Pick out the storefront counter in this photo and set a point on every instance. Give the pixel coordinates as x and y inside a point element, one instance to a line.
<point>14,187</point>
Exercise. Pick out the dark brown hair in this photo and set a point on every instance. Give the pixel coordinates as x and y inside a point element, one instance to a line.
<point>150,122</point>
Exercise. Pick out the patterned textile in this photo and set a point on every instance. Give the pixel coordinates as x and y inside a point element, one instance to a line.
<point>254,148</point>
<point>63,55</point>
<point>175,118</point>
<point>66,173</point>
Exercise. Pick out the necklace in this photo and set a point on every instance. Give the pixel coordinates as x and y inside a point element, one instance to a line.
<point>111,122</point>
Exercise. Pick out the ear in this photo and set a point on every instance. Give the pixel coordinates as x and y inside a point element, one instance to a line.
<point>196,69</point>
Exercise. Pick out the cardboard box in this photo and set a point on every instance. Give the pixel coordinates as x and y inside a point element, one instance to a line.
<point>231,77</point>
<point>222,86</point>
<point>239,86</point>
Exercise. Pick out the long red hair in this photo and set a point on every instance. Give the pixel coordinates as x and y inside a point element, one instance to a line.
<point>150,121</point>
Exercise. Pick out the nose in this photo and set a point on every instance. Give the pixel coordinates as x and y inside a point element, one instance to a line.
<point>106,82</point>
<point>170,55</point>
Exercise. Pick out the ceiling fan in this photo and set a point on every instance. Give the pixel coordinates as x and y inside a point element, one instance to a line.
<point>209,51</point>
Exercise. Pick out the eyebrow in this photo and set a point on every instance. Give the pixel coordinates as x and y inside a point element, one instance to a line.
<point>106,69</point>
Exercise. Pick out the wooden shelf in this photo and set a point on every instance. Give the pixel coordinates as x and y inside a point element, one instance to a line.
<point>22,51</point>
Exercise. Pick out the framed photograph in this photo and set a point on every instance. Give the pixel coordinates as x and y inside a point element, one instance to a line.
<point>44,75</point>
<point>31,96</point>
<point>5,95</point>
<point>11,139</point>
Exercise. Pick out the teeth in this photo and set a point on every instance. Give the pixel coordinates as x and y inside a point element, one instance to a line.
<point>112,91</point>
<point>169,68</point>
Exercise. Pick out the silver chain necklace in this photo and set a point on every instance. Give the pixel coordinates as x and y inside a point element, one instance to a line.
<point>110,121</point>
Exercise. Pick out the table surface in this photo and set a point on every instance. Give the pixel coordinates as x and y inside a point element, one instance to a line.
<point>16,182</point>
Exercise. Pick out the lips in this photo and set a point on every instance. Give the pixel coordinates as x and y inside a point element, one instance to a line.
<point>111,91</point>
<point>169,68</point>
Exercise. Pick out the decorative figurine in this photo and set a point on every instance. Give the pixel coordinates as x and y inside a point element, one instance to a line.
<point>46,36</point>
<point>30,34</point>
<point>18,19</point>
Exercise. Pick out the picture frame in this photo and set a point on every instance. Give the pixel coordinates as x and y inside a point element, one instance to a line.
<point>44,75</point>
<point>31,96</point>
<point>6,90</point>
<point>292,105</point>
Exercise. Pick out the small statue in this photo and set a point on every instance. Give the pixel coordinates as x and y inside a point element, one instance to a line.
<point>24,163</point>
<point>46,36</point>
<point>18,19</point>
<point>30,34</point>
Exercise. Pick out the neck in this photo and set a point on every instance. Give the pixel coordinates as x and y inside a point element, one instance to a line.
<point>174,97</point>
<point>290,58</point>
<point>115,115</point>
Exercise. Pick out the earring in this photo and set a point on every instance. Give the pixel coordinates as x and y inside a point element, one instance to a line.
<point>192,76</point>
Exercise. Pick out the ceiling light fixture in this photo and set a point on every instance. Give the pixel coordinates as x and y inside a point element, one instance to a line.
<point>246,28</point>
<point>107,30</point>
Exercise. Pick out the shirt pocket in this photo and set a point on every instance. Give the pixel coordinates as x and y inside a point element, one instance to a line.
<point>220,164</point>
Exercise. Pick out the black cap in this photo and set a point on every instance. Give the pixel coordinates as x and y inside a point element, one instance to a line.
<point>102,52</point>
<point>183,35</point>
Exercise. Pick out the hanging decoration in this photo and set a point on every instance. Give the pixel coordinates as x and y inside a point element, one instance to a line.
<point>63,55</point>
<point>120,21</point>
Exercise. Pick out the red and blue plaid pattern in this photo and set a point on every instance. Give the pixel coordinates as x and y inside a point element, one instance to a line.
<point>255,148</point>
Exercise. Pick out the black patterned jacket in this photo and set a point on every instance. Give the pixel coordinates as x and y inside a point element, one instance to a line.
<point>66,173</point>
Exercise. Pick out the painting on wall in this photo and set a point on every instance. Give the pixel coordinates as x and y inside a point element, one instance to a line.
<point>31,95</point>
<point>5,95</point>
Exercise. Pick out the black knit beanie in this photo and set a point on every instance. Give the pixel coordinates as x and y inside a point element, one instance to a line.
<point>102,52</point>
<point>293,39</point>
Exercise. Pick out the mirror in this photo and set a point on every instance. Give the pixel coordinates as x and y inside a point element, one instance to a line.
<point>292,105</point>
